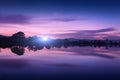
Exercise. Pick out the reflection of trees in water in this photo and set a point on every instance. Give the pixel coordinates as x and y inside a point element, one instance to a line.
<point>19,50</point>
<point>35,48</point>
<point>17,42</point>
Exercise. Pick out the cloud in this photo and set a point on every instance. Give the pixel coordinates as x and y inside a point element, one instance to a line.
<point>14,19</point>
<point>106,30</point>
<point>89,34</point>
<point>100,30</point>
<point>64,19</point>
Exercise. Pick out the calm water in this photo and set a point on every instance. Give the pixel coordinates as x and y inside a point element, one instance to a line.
<point>74,63</point>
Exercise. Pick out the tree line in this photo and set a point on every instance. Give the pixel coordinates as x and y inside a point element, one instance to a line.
<point>18,42</point>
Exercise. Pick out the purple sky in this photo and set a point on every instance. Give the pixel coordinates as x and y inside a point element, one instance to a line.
<point>87,19</point>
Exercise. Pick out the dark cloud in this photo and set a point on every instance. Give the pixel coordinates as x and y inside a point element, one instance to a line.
<point>64,19</point>
<point>89,34</point>
<point>98,31</point>
<point>106,30</point>
<point>14,19</point>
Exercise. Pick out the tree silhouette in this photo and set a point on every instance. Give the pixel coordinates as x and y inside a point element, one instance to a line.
<point>18,42</point>
<point>18,35</point>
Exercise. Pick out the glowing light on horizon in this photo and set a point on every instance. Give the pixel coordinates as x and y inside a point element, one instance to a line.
<point>45,38</point>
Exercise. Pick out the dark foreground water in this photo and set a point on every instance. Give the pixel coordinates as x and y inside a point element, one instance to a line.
<point>74,63</point>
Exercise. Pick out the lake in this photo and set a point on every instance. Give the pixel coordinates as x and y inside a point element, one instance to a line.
<point>73,63</point>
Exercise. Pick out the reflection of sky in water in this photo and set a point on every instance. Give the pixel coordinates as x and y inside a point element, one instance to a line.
<point>71,63</point>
